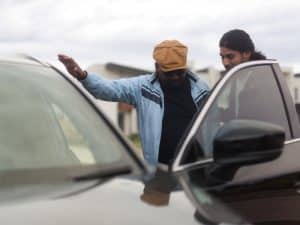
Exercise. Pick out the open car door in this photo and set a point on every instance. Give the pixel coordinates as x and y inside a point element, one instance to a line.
<point>243,149</point>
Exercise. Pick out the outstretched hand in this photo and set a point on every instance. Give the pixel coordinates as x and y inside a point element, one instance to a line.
<point>72,67</point>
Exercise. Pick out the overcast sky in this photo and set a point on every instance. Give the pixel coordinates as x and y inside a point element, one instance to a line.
<point>125,31</point>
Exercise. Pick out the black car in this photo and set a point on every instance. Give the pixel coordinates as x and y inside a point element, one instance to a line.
<point>62,161</point>
<point>244,147</point>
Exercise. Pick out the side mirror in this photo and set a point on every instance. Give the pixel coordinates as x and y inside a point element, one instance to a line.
<point>243,142</point>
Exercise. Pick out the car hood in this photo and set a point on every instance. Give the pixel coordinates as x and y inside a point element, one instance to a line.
<point>118,201</point>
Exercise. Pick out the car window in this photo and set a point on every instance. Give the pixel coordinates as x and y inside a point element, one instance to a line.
<point>251,93</point>
<point>46,123</point>
<point>75,140</point>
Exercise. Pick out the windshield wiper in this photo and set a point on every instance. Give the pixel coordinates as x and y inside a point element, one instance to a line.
<point>104,174</point>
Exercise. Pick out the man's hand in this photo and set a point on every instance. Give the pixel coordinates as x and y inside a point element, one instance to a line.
<point>72,67</point>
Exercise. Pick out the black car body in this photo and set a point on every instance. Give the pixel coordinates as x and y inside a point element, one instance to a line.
<point>244,147</point>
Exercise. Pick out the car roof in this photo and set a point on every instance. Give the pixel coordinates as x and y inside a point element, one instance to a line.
<point>22,59</point>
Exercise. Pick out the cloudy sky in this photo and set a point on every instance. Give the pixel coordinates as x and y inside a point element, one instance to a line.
<point>125,31</point>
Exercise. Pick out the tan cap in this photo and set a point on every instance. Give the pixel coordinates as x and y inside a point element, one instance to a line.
<point>170,55</point>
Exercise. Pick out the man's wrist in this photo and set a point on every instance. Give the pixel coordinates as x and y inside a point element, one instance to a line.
<point>84,75</point>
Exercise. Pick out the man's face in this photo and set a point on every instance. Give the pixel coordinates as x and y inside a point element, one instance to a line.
<point>171,79</point>
<point>231,58</point>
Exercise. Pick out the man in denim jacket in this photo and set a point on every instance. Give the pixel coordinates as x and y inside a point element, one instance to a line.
<point>165,100</point>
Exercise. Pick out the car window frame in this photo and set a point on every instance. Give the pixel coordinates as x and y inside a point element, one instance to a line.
<point>176,166</point>
<point>288,102</point>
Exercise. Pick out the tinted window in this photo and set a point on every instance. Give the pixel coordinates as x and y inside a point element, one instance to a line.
<point>251,93</point>
<point>46,123</point>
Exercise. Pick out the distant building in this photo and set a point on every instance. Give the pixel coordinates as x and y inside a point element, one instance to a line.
<point>289,77</point>
<point>296,88</point>
<point>121,114</point>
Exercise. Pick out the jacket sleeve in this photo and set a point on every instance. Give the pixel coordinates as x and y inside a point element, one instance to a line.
<point>204,94</point>
<point>121,90</point>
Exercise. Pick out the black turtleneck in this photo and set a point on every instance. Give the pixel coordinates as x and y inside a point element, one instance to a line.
<point>179,109</point>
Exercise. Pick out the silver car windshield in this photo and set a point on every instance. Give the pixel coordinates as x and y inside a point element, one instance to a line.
<point>46,123</point>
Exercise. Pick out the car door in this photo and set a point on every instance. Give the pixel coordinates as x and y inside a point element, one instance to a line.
<point>263,189</point>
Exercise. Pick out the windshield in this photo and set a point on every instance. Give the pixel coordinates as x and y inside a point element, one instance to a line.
<point>46,123</point>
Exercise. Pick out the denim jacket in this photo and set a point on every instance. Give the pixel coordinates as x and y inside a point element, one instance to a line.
<point>143,92</point>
